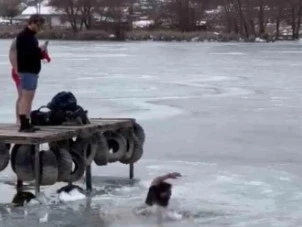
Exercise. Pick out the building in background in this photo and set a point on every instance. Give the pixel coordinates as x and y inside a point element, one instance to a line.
<point>54,17</point>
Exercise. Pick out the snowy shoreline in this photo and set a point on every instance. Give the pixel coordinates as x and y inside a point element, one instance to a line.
<point>141,35</point>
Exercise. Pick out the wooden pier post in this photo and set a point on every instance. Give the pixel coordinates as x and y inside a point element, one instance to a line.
<point>37,169</point>
<point>19,185</point>
<point>131,171</point>
<point>88,179</point>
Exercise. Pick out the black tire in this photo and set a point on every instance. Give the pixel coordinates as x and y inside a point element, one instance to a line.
<point>64,160</point>
<point>24,162</point>
<point>117,145</point>
<point>48,168</point>
<point>62,144</point>
<point>79,163</point>
<point>129,136</point>
<point>101,156</point>
<point>13,157</point>
<point>136,153</point>
<point>89,144</point>
<point>139,132</point>
<point>4,156</point>
<point>138,150</point>
<point>8,145</point>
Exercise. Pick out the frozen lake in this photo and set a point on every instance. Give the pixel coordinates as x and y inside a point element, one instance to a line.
<point>227,116</point>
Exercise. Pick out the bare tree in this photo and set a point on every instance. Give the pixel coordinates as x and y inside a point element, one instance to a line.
<point>9,8</point>
<point>249,18</point>
<point>87,8</point>
<point>277,13</point>
<point>229,15</point>
<point>38,6</point>
<point>185,13</point>
<point>295,9</point>
<point>118,13</point>
<point>72,10</point>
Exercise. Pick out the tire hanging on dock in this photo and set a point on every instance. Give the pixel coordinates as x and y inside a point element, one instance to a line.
<point>79,166</point>
<point>4,156</point>
<point>117,145</point>
<point>139,132</point>
<point>62,144</point>
<point>129,136</point>
<point>48,168</point>
<point>24,162</point>
<point>86,144</point>
<point>138,150</point>
<point>13,156</point>
<point>134,149</point>
<point>64,161</point>
<point>8,146</point>
<point>101,156</point>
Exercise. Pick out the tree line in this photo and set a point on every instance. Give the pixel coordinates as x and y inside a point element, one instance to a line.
<point>247,18</point>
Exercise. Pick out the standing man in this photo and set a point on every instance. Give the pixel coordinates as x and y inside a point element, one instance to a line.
<point>29,56</point>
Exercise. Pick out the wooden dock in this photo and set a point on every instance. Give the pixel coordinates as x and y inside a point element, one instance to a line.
<point>9,134</point>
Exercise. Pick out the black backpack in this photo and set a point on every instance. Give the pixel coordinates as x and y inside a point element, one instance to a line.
<point>62,108</point>
<point>79,116</point>
<point>64,101</point>
<point>39,117</point>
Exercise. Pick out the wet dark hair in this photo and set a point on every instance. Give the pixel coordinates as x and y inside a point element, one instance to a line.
<point>154,194</point>
<point>21,197</point>
<point>36,19</point>
<point>69,188</point>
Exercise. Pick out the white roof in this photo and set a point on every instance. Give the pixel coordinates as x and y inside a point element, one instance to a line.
<point>44,10</point>
<point>142,23</point>
<point>3,20</point>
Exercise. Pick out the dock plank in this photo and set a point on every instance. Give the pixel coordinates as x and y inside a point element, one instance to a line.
<point>9,132</point>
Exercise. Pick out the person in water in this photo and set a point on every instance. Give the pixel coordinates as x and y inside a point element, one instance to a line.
<point>160,191</point>
<point>29,56</point>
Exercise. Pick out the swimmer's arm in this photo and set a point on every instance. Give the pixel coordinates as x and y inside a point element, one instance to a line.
<point>160,179</point>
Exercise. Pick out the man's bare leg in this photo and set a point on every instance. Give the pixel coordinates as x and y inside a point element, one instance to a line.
<point>32,96</point>
<point>24,110</point>
<point>17,105</point>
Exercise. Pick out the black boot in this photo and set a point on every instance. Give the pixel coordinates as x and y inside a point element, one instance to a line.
<point>25,125</point>
<point>33,127</point>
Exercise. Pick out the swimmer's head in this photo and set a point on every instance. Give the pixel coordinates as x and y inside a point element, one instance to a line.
<point>159,194</point>
<point>21,198</point>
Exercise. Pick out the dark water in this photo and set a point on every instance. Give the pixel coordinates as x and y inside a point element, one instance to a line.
<point>227,116</point>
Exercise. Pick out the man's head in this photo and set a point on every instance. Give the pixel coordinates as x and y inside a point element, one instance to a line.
<point>159,194</point>
<point>35,22</point>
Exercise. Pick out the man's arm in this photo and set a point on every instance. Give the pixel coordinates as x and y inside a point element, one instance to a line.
<point>160,179</point>
<point>13,55</point>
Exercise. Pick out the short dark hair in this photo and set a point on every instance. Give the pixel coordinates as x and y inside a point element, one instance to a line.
<point>35,19</point>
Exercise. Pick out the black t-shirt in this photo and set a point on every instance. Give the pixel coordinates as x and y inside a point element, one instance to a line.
<point>29,53</point>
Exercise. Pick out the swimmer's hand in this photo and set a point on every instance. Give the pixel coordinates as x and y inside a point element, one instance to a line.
<point>160,179</point>
<point>174,175</point>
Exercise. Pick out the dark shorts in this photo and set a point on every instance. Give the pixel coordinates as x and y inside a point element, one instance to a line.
<point>29,81</point>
